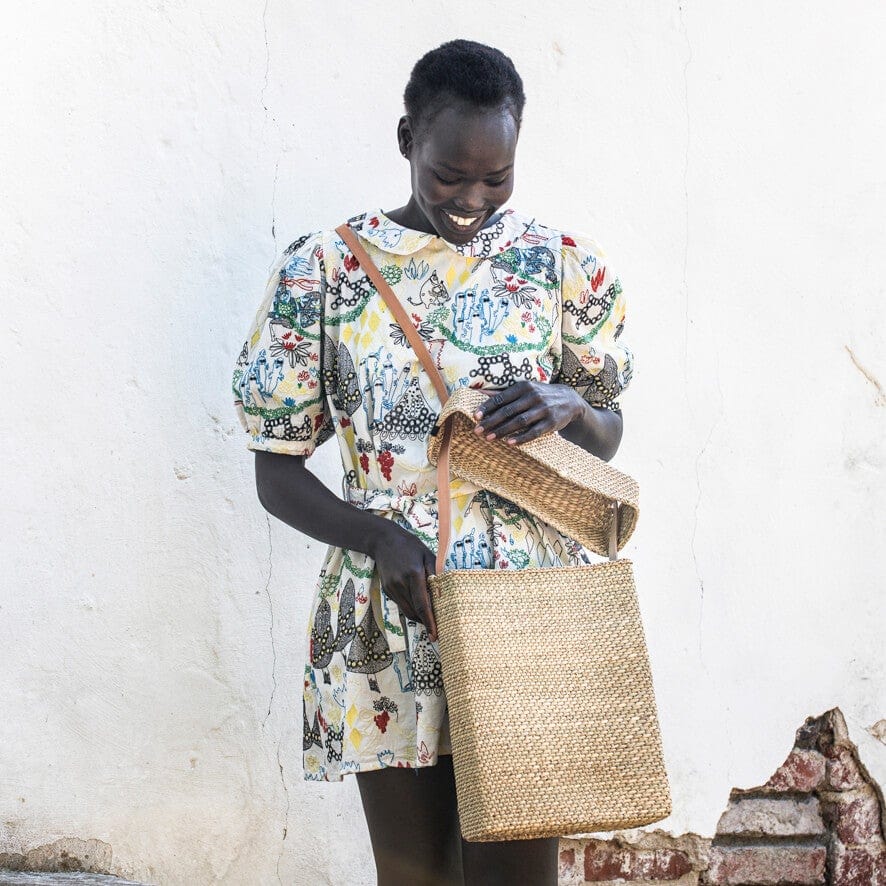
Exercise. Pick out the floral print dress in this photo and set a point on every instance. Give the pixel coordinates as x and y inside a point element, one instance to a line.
<point>324,358</point>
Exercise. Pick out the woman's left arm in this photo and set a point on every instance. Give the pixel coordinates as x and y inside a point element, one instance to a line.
<point>528,409</point>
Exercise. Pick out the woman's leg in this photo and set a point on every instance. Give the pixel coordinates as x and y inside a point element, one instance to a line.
<point>523,862</point>
<point>413,824</point>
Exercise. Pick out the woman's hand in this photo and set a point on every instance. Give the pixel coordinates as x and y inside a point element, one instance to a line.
<point>526,410</point>
<point>403,562</point>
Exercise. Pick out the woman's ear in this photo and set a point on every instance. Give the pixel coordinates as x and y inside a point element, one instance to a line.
<point>404,136</point>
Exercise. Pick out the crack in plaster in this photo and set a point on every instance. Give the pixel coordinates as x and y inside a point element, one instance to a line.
<point>271,610</point>
<point>286,817</point>
<point>880,399</point>
<point>264,89</point>
<point>685,288</point>
<point>274,692</point>
<point>274,203</point>
<point>264,24</point>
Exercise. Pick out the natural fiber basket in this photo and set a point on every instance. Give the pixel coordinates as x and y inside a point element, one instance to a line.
<point>557,481</point>
<point>552,712</point>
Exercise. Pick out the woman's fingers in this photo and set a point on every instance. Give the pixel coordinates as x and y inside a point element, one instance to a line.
<point>507,409</point>
<point>492,411</point>
<point>525,425</point>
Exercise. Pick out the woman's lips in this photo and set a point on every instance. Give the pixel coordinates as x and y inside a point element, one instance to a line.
<point>453,221</point>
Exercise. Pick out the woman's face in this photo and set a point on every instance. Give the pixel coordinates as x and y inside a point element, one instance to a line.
<point>462,166</point>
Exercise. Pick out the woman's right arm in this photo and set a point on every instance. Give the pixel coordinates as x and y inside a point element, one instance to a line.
<point>291,493</point>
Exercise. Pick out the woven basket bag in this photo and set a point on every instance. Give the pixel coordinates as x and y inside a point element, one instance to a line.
<point>552,711</point>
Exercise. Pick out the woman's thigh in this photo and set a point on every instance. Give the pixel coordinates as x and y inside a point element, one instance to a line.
<point>524,862</point>
<point>413,824</point>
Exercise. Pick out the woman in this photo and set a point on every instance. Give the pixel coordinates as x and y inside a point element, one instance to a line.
<point>505,304</point>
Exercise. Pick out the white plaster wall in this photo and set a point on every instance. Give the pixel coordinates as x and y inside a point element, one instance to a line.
<point>156,156</point>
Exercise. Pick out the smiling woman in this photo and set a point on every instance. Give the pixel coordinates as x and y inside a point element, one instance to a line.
<point>530,313</point>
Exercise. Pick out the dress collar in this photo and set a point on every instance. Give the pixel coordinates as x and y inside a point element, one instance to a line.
<point>386,234</point>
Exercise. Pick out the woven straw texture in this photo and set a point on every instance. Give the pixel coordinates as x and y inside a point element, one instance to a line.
<point>551,707</point>
<point>557,481</point>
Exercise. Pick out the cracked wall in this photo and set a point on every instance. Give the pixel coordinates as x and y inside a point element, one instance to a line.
<point>817,821</point>
<point>729,160</point>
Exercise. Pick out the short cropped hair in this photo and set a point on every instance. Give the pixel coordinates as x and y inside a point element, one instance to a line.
<point>463,70</point>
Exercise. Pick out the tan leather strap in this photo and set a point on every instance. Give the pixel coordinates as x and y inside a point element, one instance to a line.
<point>444,506</point>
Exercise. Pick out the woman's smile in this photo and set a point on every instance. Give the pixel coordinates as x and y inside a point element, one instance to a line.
<point>464,225</point>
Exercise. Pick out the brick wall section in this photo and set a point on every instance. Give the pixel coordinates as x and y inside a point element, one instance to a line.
<point>818,821</point>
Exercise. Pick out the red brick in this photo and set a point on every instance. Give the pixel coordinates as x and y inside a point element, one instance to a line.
<point>634,864</point>
<point>766,865</point>
<point>854,820</point>
<point>801,771</point>
<point>852,867</point>
<point>567,864</point>
<point>843,773</point>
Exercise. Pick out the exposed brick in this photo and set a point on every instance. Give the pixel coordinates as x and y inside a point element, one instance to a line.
<point>843,773</point>
<point>567,864</point>
<point>803,770</point>
<point>852,867</point>
<point>766,865</point>
<point>854,819</point>
<point>764,817</point>
<point>634,864</point>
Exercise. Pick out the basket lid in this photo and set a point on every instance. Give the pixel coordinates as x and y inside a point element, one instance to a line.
<point>555,480</point>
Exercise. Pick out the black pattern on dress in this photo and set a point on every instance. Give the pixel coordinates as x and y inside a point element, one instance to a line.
<point>297,244</point>
<point>498,370</point>
<point>433,293</point>
<point>345,626</point>
<point>600,389</point>
<point>340,377</point>
<point>347,292</point>
<point>334,738</point>
<point>288,427</point>
<point>369,652</point>
<point>411,416</point>
<point>486,237</point>
<point>427,672</point>
<point>322,640</point>
<point>311,734</point>
<point>596,307</point>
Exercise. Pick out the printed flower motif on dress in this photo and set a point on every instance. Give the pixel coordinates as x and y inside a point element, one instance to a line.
<point>324,357</point>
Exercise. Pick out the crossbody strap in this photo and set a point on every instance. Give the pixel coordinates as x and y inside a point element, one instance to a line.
<point>444,507</point>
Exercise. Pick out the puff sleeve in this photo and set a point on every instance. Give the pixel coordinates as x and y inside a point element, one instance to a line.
<point>593,359</point>
<point>278,380</point>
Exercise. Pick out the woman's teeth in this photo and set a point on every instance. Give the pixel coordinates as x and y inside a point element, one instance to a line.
<point>461,222</point>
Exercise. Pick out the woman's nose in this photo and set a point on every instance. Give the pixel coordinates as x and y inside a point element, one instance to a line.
<point>472,199</point>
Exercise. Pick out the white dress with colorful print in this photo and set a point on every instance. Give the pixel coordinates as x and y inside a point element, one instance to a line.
<point>325,358</point>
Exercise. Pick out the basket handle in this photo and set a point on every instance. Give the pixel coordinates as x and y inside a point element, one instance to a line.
<point>396,308</point>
